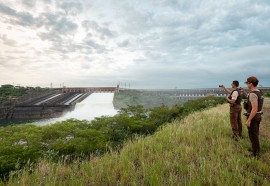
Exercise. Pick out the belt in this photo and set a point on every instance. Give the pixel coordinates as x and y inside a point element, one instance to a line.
<point>234,104</point>
<point>260,112</point>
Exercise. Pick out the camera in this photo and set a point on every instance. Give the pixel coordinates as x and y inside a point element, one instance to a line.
<point>220,85</point>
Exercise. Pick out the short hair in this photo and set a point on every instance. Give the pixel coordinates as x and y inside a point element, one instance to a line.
<point>253,80</point>
<point>236,83</point>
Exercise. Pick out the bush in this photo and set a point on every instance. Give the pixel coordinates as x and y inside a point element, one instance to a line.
<point>18,145</point>
<point>199,104</point>
<point>267,94</point>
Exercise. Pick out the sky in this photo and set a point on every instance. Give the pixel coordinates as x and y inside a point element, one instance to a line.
<point>137,44</point>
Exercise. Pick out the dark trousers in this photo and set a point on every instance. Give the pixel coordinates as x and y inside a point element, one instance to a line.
<point>235,118</point>
<point>253,133</point>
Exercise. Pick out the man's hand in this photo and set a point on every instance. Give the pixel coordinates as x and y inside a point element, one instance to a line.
<point>248,123</point>
<point>243,91</point>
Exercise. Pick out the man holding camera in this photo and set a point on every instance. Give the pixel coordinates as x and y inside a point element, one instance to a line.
<point>234,99</point>
<point>254,113</point>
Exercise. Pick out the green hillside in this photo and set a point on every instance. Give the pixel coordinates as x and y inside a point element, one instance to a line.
<point>198,150</point>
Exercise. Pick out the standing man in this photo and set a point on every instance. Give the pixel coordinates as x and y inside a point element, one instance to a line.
<point>234,99</point>
<point>254,113</point>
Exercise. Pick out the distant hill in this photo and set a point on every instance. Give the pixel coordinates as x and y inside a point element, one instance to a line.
<point>198,150</point>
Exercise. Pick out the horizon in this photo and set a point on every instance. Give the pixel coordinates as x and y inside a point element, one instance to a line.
<point>127,88</point>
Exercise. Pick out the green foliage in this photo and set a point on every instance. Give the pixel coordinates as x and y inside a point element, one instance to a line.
<point>164,114</point>
<point>267,94</point>
<point>8,91</point>
<point>199,104</point>
<point>18,145</point>
<point>11,91</point>
<point>134,110</point>
<point>74,138</point>
<point>28,143</point>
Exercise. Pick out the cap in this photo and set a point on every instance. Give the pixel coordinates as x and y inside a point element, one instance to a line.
<point>252,79</point>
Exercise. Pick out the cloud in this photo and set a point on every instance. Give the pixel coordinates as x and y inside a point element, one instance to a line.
<point>7,41</point>
<point>155,43</point>
<point>7,10</point>
<point>20,18</point>
<point>72,8</point>
<point>29,3</point>
<point>57,22</point>
<point>92,26</point>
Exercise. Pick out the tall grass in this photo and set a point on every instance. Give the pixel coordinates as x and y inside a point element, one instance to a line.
<point>198,150</point>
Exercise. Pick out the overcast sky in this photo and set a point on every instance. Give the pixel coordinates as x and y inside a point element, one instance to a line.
<point>142,43</point>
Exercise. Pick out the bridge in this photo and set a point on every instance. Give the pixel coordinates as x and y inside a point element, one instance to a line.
<point>90,89</point>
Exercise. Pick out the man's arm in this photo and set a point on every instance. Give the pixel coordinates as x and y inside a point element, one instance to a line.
<point>254,103</point>
<point>226,90</point>
<point>244,92</point>
<point>233,99</point>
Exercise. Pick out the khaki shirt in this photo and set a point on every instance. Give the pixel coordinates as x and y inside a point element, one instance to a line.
<point>235,94</point>
<point>253,98</point>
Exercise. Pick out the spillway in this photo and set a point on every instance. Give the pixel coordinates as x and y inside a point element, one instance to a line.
<point>43,101</point>
<point>70,101</point>
<point>95,105</point>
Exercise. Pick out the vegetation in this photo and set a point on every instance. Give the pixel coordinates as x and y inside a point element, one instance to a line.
<point>9,92</point>
<point>71,139</point>
<point>145,98</point>
<point>197,150</point>
<point>267,94</point>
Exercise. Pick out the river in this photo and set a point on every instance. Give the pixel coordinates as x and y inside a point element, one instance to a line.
<point>95,105</point>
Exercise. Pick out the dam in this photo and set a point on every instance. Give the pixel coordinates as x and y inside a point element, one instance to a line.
<point>95,105</point>
<point>51,104</point>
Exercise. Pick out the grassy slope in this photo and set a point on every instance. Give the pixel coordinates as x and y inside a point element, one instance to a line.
<point>196,151</point>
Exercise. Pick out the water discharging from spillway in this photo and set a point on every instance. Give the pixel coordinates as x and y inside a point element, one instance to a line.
<point>95,105</point>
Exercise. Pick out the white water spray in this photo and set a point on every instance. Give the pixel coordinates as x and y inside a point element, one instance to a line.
<point>95,105</point>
